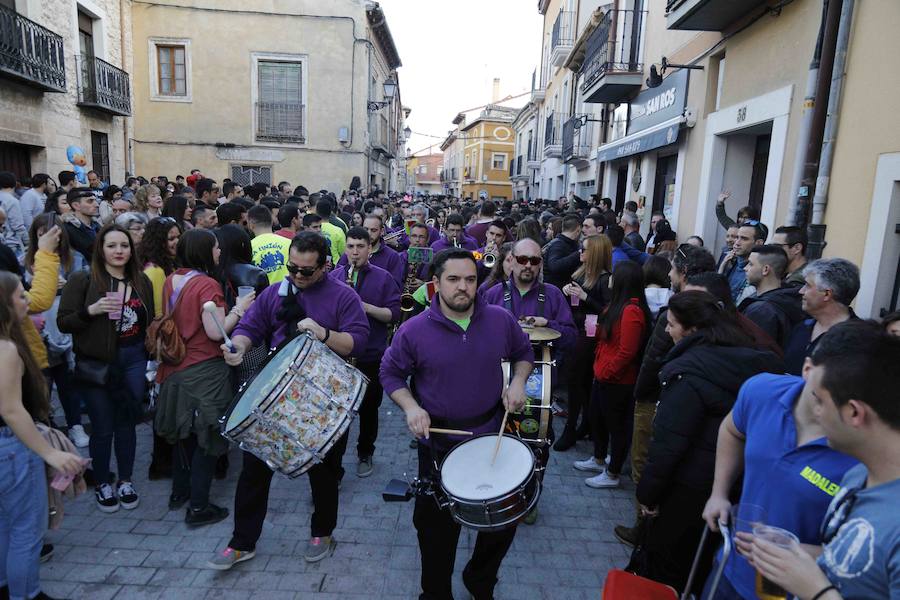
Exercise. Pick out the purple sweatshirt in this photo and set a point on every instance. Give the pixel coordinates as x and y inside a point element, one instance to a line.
<point>467,243</point>
<point>327,302</point>
<point>388,259</point>
<point>375,286</point>
<point>457,373</point>
<point>433,236</point>
<point>556,308</point>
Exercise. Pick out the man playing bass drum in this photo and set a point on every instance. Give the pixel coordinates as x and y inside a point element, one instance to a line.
<point>453,352</point>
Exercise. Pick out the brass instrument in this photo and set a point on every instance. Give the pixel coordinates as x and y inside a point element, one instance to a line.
<point>430,222</point>
<point>489,260</point>
<point>407,302</point>
<point>455,243</point>
<point>392,236</point>
<point>349,274</point>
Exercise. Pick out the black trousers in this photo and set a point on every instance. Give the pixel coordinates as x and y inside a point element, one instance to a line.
<point>581,379</point>
<point>192,471</point>
<point>438,536</point>
<point>368,410</point>
<point>613,404</point>
<point>251,499</point>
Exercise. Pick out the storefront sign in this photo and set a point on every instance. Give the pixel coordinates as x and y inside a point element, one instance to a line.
<point>656,105</point>
<point>639,143</point>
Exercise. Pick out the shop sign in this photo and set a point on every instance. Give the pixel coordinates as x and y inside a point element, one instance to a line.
<point>656,105</point>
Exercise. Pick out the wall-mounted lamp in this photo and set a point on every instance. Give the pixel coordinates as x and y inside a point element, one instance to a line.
<point>390,88</point>
<point>656,76</point>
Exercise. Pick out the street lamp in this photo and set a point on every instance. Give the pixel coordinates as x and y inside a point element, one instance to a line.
<point>390,88</point>
<point>407,132</point>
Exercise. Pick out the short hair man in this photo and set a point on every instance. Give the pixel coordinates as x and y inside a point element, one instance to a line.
<point>289,221</point>
<point>207,191</point>
<point>632,226</point>
<point>205,217</point>
<point>592,225</point>
<point>284,190</point>
<point>82,230</point>
<point>16,235</point>
<point>34,198</point>
<point>487,212</point>
<point>380,254</point>
<point>562,255</point>
<point>232,190</point>
<point>774,308</point>
<point>793,240</point>
<point>231,212</point>
<point>621,250</point>
<point>454,236</point>
<point>96,184</point>
<point>66,180</point>
<point>333,232</point>
<point>270,250</point>
<point>831,285</point>
<point>750,235</point>
<point>855,385</point>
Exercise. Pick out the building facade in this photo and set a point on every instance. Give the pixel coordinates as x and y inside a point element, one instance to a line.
<point>424,173</point>
<point>311,104</point>
<point>65,82</point>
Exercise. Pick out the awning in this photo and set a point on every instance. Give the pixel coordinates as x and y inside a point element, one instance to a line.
<point>660,135</point>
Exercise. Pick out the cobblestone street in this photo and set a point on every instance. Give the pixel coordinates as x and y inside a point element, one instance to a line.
<point>150,553</point>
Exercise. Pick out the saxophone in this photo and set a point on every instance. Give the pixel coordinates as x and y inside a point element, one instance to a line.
<point>407,302</point>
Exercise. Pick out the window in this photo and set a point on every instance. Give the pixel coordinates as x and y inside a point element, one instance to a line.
<point>279,107</point>
<point>85,34</point>
<point>498,162</point>
<point>245,175</point>
<point>171,70</point>
<point>100,154</point>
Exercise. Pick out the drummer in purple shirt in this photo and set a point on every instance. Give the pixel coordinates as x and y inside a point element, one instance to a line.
<point>306,301</point>
<point>452,352</point>
<point>454,236</point>
<point>380,297</point>
<point>381,255</point>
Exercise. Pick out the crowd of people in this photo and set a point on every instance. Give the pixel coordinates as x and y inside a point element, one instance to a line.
<point>716,379</point>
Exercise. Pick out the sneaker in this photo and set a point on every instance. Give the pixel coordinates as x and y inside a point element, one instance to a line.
<point>589,464</point>
<point>364,468</point>
<point>106,498</point>
<point>128,498</point>
<point>603,480</point>
<point>227,558</point>
<point>79,437</point>
<point>319,548</point>
<point>205,516</point>
<point>46,552</point>
<point>626,535</point>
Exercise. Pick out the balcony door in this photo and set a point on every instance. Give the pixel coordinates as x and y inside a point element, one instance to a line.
<point>86,49</point>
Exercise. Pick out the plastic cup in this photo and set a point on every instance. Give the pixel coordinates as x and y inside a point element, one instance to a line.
<point>765,589</point>
<point>119,297</point>
<point>744,517</point>
<point>244,290</point>
<point>590,325</point>
<point>574,300</point>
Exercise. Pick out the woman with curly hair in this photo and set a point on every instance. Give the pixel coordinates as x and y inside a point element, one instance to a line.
<point>147,199</point>
<point>157,250</point>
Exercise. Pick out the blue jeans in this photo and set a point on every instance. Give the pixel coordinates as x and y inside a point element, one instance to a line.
<point>113,410</point>
<point>23,516</point>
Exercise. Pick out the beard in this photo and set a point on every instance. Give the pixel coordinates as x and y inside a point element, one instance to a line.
<point>526,276</point>
<point>459,302</point>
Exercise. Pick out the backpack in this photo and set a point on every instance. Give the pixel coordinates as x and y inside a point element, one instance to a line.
<point>164,343</point>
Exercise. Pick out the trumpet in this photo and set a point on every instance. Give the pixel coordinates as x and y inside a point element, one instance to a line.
<point>489,260</point>
<point>392,236</point>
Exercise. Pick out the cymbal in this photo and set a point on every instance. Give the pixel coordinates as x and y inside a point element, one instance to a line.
<point>541,334</point>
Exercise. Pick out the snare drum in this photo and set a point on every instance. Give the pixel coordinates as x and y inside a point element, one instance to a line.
<point>296,408</point>
<point>489,497</point>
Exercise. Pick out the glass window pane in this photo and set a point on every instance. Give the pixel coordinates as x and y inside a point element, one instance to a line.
<point>165,86</point>
<point>179,55</point>
<point>165,70</point>
<point>179,72</point>
<point>164,56</point>
<point>180,87</point>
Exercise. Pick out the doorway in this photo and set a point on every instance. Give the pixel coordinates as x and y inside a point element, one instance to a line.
<point>664,184</point>
<point>621,187</point>
<point>15,158</point>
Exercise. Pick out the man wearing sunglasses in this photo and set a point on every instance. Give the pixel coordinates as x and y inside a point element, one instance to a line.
<point>305,301</point>
<point>855,384</point>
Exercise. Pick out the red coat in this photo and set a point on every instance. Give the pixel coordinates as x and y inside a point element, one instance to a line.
<point>617,358</point>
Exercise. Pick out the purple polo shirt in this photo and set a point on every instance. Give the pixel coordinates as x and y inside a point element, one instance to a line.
<point>467,243</point>
<point>457,373</point>
<point>327,302</point>
<point>375,286</point>
<point>388,259</point>
<point>556,308</point>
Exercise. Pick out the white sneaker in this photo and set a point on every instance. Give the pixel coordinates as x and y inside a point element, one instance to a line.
<point>79,437</point>
<point>603,480</point>
<point>590,465</point>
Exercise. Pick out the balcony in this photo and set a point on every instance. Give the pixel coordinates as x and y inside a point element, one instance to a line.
<point>103,86</point>
<point>707,15</point>
<point>280,122</point>
<point>380,135</point>
<point>612,70</point>
<point>577,139</point>
<point>562,38</point>
<point>469,174</point>
<point>553,135</point>
<point>516,173</point>
<point>30,53</point>
<point>538,87</point>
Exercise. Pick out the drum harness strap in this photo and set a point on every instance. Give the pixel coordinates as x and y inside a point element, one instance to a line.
<point>507,298</point>
<point>290,311</point>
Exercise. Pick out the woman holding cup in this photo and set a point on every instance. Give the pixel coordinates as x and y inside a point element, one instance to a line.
<point>107,310</point>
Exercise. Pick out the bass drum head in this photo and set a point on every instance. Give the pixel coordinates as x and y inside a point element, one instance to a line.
<point>467,473</point>
<point>259,388</point>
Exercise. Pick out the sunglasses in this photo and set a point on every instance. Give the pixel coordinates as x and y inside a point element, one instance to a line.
<point>305,271</point>
<point>533,260</point>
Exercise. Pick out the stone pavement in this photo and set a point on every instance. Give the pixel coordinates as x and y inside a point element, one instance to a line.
<point>150,553</point>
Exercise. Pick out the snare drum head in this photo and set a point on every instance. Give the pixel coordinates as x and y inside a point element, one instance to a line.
<point>467,473</point>
<point>261,385</point>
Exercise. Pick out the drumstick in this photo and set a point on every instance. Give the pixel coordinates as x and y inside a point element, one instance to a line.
<point>449,431</point>
<point>500,436</point>
<point>210,307</point>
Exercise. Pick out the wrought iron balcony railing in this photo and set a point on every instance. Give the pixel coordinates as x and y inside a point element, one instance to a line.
<point>563,32</point>
<point>31,53</point>
<point>614,46</point>
<point>553,129</point>
<point>103,86</point>
<point>577,137</point>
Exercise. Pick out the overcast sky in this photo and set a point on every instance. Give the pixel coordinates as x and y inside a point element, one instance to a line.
<point>451,52</point>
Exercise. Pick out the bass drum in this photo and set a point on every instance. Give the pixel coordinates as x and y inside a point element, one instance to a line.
<point>297,406</point>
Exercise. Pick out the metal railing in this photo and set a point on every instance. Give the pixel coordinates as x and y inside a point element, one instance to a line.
<point>577,137</point>
<point>103,86</point>
<point>553,129</point>
<point>519,165</point>
<point>614,46</point>
<point>30,52</point>
<point>280,122</point>
<point>563,32</point>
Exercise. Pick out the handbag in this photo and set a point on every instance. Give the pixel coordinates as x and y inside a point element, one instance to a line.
<point>640,559</point>
<point>92,370</point>
<point>164,342</point>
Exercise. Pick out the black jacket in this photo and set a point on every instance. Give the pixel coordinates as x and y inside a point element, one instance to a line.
<point>647,387</point>
<point>596,301</point>
<point>81,238</point>
<point>561,259</point>
<point>240,274</point>
<point>776,312</point>
<point>700,383</point>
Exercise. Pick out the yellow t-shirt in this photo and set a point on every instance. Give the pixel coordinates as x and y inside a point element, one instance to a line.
<point>338,240</point>
<point>157,278</point>
<point>270,253</point>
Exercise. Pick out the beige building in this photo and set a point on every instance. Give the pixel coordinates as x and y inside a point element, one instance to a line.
<point>64,81</point>
<point>424,172</point>
<point>295,90</point>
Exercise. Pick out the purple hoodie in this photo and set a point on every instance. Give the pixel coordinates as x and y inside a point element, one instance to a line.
<point>327,302</point>
<point>375,286</point>
<point>388,259</point>
<point>556,308</point>
<point>457,373</point>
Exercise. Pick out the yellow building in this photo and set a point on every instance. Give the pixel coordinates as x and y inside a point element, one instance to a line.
<point>480,154</point>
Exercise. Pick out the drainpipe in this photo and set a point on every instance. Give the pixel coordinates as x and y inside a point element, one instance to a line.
<point>813,111</point>
<point>126,150</point>
<point>820,200</point>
